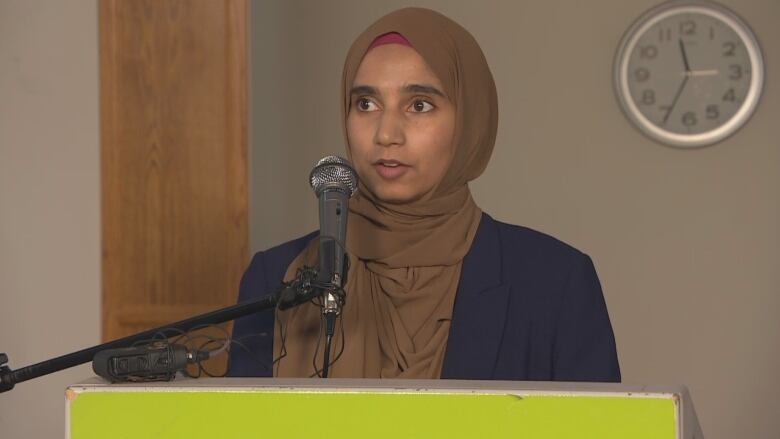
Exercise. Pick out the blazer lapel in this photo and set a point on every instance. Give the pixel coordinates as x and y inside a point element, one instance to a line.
<point>479,313</point>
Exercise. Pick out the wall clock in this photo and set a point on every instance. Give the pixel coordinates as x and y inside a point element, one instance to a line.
<point>689,73</point>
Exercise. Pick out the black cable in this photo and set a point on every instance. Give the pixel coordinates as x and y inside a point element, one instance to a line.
<point>326,356</point>
<point>282,337</point>
<point>330,326</point>
<point>250,353</point>
<point>318,371</point>
<point>200,362</point>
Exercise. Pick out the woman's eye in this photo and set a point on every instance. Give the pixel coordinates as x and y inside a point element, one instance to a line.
<point>365,104</point>
<point>420,106</point>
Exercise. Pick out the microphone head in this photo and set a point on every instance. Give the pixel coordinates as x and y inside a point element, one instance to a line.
<point>333,172</point>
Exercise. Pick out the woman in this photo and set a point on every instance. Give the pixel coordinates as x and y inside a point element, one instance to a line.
<point>436,288</point>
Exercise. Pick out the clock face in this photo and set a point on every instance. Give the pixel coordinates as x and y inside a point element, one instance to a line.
<point>689,73</point>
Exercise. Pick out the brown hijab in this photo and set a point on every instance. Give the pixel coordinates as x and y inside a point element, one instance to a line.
<point>405,260</point>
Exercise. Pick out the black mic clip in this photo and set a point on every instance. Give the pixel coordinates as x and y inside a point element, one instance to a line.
<point>305,287</point>
<point>157,361</point>
<point>299,290</point>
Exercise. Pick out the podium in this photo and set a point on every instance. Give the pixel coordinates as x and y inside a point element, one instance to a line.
<point>346,408</point>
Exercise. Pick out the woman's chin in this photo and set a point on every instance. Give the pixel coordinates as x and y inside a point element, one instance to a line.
<point>394,195</point>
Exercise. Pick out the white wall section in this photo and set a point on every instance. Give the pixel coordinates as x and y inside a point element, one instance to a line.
<point>49,202</point>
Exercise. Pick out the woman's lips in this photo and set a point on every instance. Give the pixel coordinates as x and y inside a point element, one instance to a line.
<point>390,169</point>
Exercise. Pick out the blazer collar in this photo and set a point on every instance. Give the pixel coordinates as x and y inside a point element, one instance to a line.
<point>482,264</point>
<point>479,313</point>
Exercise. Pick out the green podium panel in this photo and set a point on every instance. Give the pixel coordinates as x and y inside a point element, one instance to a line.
<point>239,407</point>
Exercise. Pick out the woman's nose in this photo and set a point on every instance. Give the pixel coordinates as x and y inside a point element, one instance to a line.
<point>390,130</point>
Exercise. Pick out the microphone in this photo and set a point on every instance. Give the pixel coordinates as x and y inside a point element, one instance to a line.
<point>158,361</point>
<point>334,181</point>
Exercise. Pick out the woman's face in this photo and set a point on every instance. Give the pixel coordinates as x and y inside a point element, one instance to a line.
<point>400,125</point>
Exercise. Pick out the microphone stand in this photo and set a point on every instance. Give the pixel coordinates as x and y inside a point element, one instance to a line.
<point>333,302</point>
<point>287,295</point>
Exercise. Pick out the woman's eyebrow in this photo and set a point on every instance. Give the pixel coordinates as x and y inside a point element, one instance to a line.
<point>422,88</point>
<point>363,90</point>
<point>409,88</point>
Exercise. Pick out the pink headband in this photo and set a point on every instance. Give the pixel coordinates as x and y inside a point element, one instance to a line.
<point>389,38</point>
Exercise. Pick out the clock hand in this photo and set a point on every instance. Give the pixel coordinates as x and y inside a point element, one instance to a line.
<point>684,56</point>
<point>682,85</point>
<point>711,72</point>
<point>674,102</point>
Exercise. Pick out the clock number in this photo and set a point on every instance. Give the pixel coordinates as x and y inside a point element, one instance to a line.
<point>689,119</point>
<point>712,33</point>
<point>648,97</point>
<point>664,34</point>
<point>712,111</point>
<point>729,96</point>
<point>667,109</point>
<point>736,71</point>
<point>729,47</point>
<point>648,52</point>
<point>642,74</point>
<point>688,27</point>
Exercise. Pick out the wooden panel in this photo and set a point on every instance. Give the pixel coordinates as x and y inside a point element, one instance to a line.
<point>174,158</point>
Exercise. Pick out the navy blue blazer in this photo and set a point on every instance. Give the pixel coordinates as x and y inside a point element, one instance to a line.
<point>528,307</point>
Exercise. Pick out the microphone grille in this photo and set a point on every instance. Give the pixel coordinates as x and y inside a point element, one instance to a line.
<point>333,172</point>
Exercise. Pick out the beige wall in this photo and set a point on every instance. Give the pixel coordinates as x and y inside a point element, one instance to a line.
<point>49,194</point>
<point>686,242</point>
